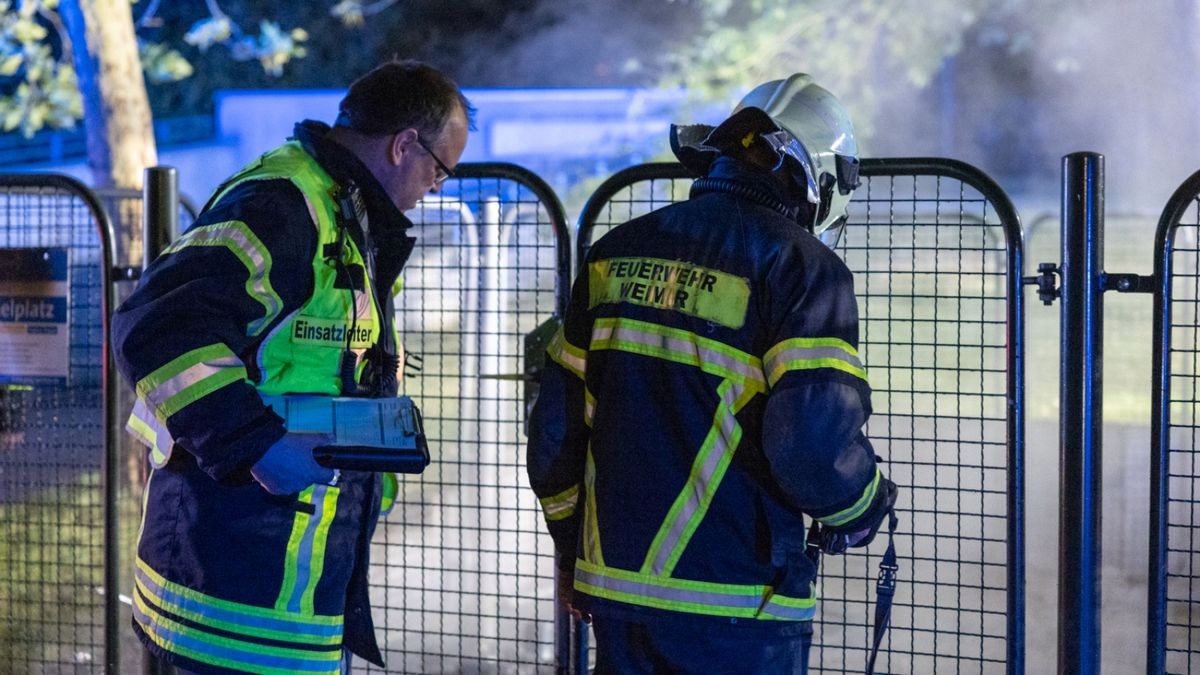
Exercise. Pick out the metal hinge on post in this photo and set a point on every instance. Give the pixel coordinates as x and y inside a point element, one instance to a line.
<point>1046,281</point>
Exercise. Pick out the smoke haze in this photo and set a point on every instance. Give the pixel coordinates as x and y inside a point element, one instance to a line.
<point>1112,77</point>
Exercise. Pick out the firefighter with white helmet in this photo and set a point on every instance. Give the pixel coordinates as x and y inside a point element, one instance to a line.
<point>705,394</point>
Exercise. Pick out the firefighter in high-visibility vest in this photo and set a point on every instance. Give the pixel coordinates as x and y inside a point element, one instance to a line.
<point>704,392</point>
<point>252,557</point>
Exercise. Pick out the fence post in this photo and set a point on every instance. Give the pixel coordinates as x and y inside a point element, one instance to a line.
<point>160,226</point>
<point>160,211</point>
<point>1082,349</point>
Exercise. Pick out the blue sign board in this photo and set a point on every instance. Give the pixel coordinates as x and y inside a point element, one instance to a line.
<point>34,328</point>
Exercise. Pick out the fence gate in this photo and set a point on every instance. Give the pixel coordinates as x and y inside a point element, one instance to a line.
<point>1173,643</point>
<point>56,448</point>
<point>935,248</point>
<point>462,570</point>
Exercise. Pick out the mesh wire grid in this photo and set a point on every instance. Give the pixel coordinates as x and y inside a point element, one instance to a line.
<point>1182,588</point>
<point>930,260</point>
<point>462,570</point>
<point>51,452</point>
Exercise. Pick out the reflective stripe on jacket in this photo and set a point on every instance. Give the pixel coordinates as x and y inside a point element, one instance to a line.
<point>300,354</point>
<point>229,576</point>
<point>704,392</point>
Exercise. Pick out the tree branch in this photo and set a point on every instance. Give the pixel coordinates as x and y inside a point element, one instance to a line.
<point>377,7</point>
<point>55,21</point>
<point>215,9</point>
<point>148,15</point>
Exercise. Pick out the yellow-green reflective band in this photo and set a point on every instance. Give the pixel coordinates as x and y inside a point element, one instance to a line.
<point>305,559</point>
<point>145,501</point>
<point>145,427</point>
<point>810,354</point>
<point>589,406</point>
<point>220,650</point>
<point>561,505</point>
<point>245,620</point>
<point>566,354</point>
<point>680,346</point>
<point>390,489</point>
<point>591,525</point>
<point>860,507</point>
<point>190,377</point>
<point>238,238</point>
<point>695,597</point>
<point>791,609</point>
<point>674,285</point>
<point>708,470</point>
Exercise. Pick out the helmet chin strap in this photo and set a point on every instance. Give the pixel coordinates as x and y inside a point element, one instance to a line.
<point>791,173</point>
<point>788,146</point>
<point>832,235</point>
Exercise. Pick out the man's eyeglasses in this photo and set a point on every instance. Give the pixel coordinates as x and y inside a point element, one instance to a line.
<point>444,171</point>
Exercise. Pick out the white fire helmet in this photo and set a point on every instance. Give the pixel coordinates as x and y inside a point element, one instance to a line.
<point>815,131</point>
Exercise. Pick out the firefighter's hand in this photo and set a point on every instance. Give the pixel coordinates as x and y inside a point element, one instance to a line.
<point>566,596</point>
<point>860,538</point>
<point>288,466</point>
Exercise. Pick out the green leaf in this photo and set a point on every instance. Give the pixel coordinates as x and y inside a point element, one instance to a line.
<point>10,64</point>
<point>207,32</point>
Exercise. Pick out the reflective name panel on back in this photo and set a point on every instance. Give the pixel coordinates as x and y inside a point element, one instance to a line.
<point>675,285</point>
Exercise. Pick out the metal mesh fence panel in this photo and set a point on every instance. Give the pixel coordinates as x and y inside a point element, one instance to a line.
<point>1175,541</point>
<point>935,251</point>
<point>462,570</point>
<point>52,443</point>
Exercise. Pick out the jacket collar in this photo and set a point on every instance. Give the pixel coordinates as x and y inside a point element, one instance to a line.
<point>343,165</point>
<point>391,244</point>
<point>759,186</point>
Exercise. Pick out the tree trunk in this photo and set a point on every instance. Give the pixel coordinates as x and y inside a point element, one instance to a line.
<point>120,135</point>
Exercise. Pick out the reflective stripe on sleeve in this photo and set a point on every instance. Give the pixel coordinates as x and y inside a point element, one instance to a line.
<point>145,427</point>
<point>810,354</point>
<point>242,242</point>
<point>190,377</point>
<point>566,354</point>
<point>561,505</point>
<point>860,507</point>
<point>694,597</point>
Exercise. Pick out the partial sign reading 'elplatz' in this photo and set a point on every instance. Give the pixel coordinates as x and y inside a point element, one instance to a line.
<point>34,339</point>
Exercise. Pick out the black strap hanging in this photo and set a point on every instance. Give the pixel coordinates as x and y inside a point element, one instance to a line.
<point>885,591</point>
<point>819,541</point>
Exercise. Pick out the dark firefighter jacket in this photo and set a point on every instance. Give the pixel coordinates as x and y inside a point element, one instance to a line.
<point>704,392</point>
<point>262,294</point>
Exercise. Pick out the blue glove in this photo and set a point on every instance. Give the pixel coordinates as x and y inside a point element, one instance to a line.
<point>288,466</point>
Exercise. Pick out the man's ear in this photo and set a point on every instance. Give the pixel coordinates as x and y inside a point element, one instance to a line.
<point>401,142</point>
